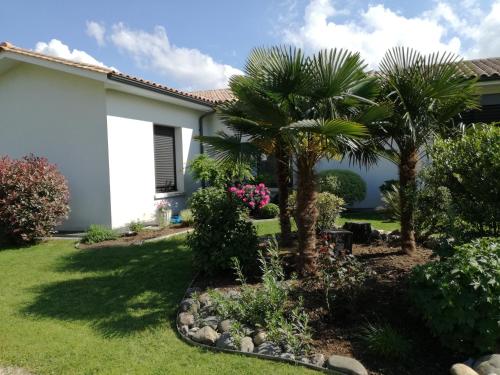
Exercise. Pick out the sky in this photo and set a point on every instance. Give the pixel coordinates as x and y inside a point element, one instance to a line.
<point>199,44</point>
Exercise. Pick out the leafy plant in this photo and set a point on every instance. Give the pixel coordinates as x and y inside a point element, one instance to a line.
<point>388,185</point>
<point>221,232</point>
<point>391,202</point>
<point>136,226</point>
<point>187,217</point>
<point>459,296</point>
<point>269,211</point>
<point>99,233</point>
<point>268,305</point>
<point>385,341</point>
<point>217,173</point>
<point>343,183</point>
<point>34,198</point>
<point>252,196</point>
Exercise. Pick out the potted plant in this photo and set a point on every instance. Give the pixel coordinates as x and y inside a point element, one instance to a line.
<point>163,213</point>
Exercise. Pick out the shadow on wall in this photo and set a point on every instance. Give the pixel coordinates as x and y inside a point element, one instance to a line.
<point>120,290</point>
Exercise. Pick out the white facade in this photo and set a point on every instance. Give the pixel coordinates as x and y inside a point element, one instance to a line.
<point>100,135</point>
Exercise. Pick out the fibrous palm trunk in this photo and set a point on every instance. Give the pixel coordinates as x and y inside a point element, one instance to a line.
<point>306,216</point>
<point>407,190</point>
<point>283,172</point>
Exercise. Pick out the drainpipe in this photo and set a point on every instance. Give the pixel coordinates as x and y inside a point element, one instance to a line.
<point>200,132</point>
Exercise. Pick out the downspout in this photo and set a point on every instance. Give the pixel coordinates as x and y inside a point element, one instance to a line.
<point>200,132</point>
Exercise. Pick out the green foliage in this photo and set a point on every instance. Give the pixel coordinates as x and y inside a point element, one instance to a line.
<point>136,226</point>
<point>267,306</point>
<point>34,198</point>
<point>469,167</point>
<point>329,208</point>
<point>459,296</point>
<point>99,233</point>
<point>269,211</point>
<point>187,217</point>
<point>385,341</point>
<point>391,202</point>
<point>343,183</point>
<point>221,231</point>
<point>387,185</point>
<point>219,173</point>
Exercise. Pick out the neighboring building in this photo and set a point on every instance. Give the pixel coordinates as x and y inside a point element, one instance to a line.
<point>124,143</point>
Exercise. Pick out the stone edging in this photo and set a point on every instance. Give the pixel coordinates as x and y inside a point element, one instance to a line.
<point>247,354</point>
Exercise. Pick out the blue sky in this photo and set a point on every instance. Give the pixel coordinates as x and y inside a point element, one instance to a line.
<point>199,44</point>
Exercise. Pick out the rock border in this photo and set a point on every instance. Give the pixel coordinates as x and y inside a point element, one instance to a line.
<point>215,349</point>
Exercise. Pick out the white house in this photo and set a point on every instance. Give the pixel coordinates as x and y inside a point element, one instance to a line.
<point>123,143</point>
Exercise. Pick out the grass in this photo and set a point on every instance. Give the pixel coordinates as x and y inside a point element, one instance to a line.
<point>377,220</point>
<point>105,311</point>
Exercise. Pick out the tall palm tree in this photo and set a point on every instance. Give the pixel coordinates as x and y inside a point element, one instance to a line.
<point>427,94</point>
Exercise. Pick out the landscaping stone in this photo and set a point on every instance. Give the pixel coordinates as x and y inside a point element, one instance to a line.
<point>461,369</point>
<point>189,305</point>
<point>186,319</point>
<point>346,364</point>
<point>14,371</point>
<point>226,341</point>
<point>206,335</point>
<point>287,356</point>
<point>488,365</point>
<point>224,326</point>
<point>192,290</point>
<point>304,360</point>
<point>234,294</point>
<point>259,338</point>
<point>317,360</point>
<point>211,321</point>
<point>246,345</point>
<point>184,330</point>
<point>360,231</point>
<point>268,348</point>
<point>375,235</point>
<point>205,300</point>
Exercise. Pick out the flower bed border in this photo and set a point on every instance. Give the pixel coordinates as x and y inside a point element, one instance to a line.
<point>254,355</point>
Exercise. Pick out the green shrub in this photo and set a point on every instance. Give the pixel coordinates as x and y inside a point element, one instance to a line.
<point>99,233</point>
<point>221,231</point>
<point>136,226</point>
<point>329,208</point>
<point>34,198</point>
<point>469,167</point>
<point>268,306</point>
<point>187,217</point>
<point>343,183</point>
<point>385,341</point>
<point>219,174</point>
<point>269,211</point>
<point>459,296</point>
<point>391,204</point>
<point>388,186</point>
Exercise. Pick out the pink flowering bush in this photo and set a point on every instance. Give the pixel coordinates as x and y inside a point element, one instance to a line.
<point>34,198</point>
<point>252,196</point>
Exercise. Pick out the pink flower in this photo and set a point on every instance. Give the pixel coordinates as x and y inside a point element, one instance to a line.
<point>251,204</point>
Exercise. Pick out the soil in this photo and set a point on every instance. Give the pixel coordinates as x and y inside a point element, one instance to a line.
<point>382,301</point>
<point>136,238</point>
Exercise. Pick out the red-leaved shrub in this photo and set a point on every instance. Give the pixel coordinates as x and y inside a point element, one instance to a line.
<point>34,198</point>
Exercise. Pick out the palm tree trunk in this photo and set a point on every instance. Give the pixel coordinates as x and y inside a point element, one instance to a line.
<point>407,190</point>
<point>283,172</point>
<point>306,217</point>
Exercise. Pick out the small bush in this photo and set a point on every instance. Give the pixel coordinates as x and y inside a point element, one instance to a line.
<point>329,208</point>
<point>99,233</point>
<point>390,200</point>
<point>34,198</point>
<point>385,341</point>
<point>269,211</point>
<point>343,183</point>
<point>267,306</point>
<point>219,174</point>
<point>458,296</point>
<point>388,185</point>
<point>136,226</point>
<point>254,197</point>
<point>221,231</point>
<point>187,217</point>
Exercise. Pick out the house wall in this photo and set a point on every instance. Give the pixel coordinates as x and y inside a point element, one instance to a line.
<point>130,121</point>
<point>62,117</point>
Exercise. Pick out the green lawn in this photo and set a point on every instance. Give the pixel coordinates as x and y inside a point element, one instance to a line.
<point>376,219</point>
<point>107,311</point>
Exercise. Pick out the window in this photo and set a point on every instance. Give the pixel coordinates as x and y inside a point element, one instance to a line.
<point>164,147</point>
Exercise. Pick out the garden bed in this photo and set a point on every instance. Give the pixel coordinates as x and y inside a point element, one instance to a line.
<point>382,301</point>
<point>149,233</point>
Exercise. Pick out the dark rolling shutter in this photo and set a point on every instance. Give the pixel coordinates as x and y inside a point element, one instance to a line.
<point>164,145</point>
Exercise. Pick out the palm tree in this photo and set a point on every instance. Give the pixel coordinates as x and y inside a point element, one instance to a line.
<point>427,94</point>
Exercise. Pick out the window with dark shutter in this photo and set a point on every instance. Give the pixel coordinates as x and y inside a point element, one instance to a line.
<point>164,146</point>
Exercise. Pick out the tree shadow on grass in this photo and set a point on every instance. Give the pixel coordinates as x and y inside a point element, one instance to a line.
<point>118,290</point>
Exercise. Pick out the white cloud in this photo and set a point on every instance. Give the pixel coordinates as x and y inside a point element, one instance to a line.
<point>57,48</point>
<point>97,31</point>
<point>377,29</point>
<point>486,42</point>
<point>188,67</point>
